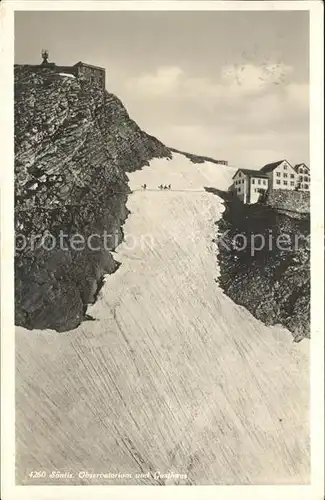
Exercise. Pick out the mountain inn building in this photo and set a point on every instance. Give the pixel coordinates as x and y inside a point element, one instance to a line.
<point>303,177</point>
<point>281,175</point>
<point>249,184</point>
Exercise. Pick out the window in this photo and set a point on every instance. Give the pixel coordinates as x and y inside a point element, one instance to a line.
<point>285,167</point>
<point>253,181</point>
<point>292,176</point>
<point>306,178</point>
<point>285,183</point>
<point>278,174</point>
<point>239,175</point>
<point>285,175</point>
<point>292,183</point>
<point>306,186</point>
<point>239,189</point>
<point>259,181</point>
<point>300,177</point>
<point>278,182</point>
<point>301,170</point>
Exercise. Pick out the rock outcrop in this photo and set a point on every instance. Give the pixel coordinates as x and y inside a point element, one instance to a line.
<point>264,259</point>
<point>289,201</point>
<point>74,145</point>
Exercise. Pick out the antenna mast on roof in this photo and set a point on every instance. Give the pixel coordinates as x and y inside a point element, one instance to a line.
<point>45,55</point>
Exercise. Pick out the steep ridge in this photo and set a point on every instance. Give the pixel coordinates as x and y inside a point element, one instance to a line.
<point>173,376</point>
<point>74,144</point>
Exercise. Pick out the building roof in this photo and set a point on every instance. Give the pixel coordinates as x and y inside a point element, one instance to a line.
<point>300,165</point>
<point>80,63</point>
<point>271,166</point>
<point>251,173</point>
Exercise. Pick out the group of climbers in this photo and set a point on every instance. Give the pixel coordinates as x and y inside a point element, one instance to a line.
<point>169,186</point>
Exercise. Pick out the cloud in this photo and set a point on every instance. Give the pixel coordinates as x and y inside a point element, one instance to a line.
<point>165,80</point>
<point>234,80</point>
<point>249,110</point>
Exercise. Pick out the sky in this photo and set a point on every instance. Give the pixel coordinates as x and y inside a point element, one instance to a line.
<point>231,85</point>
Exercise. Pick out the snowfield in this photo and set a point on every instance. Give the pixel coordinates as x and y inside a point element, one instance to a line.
<point>173,376</point>
<point>68,75</point>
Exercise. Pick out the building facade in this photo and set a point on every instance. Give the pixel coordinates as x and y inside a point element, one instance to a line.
<point>248,185</point>
<point>281,175</point>
<point>303,177</point>
<point>94,74</point>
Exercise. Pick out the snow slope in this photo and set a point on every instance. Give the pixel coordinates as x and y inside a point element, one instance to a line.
<point>173,376</point>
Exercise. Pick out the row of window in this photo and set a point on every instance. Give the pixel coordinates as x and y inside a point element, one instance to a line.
<point>259,181</point>
<point>305,178</point>
<point>278,174</point>
<point>285,183</point>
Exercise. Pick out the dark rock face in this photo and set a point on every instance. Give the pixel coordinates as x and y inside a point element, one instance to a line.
<point>272,282</point>
<point>74,144</point>
<point>292,201</point>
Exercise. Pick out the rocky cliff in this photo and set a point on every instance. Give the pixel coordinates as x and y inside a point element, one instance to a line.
<point>264,259</point>
<point>74,144</point>
<point>289,201</point>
